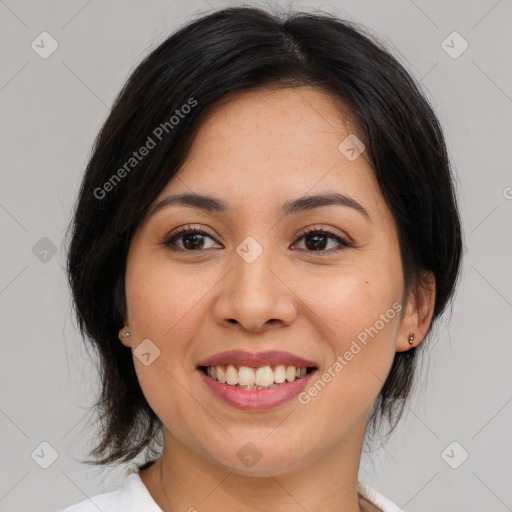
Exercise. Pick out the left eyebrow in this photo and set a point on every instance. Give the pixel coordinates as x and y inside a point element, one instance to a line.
<point>213,204</point>
<point>310,202</point>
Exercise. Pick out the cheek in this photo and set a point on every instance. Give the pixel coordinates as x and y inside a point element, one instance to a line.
<point>356,309</point>
<point>351,299</point>
<point>162,299</point>
<point>164,307</point>
<point>359,319</point>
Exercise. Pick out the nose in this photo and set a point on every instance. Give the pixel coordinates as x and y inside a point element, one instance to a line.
<point>255,296</point>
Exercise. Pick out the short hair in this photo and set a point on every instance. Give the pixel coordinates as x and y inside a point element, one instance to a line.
<point>210,59</point>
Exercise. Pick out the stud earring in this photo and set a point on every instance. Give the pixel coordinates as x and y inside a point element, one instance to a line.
<point>411,338</point>
<point>126,334</point>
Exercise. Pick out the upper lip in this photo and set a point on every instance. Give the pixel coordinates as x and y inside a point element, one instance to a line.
<point>251,359</point>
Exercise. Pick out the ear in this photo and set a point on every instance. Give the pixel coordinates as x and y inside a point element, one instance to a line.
<point>419,309</point>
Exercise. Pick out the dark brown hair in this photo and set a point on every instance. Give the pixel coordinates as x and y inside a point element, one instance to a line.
<point>174,88</point>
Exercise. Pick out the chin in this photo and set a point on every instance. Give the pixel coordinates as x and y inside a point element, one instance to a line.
<point>255,463</point>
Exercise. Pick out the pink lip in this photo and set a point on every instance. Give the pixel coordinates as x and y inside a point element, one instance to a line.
<point>257,399</point>
<point>254,360</point>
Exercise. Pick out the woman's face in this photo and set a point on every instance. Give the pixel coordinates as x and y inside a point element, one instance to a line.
<point>253,281</point>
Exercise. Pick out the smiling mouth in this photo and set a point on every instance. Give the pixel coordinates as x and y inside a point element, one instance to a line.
<point>265,377</point>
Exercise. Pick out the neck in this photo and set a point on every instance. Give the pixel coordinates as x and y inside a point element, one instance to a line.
<point>182,479</point>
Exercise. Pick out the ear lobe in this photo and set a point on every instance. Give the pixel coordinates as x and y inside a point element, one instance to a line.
<point>124,336</point>
<point>419,312</point>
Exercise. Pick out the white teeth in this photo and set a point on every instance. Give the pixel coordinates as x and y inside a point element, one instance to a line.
<point>264,376</point>
<point>231,375</point>
<point>246,376</point>
<point>255,378</point>
<point>280,374</point>
<point>221,374</point>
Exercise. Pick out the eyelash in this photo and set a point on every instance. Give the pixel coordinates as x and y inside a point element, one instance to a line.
<point>169,241</point>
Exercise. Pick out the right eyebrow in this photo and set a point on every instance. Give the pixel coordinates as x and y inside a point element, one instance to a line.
<point>208,203</point>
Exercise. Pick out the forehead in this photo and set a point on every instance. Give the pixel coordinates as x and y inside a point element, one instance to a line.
<point>295,122</point>
<point>277,144</point>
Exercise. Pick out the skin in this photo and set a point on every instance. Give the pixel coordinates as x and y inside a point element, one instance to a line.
<point>255,152</point>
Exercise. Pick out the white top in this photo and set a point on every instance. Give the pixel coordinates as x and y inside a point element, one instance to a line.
<point>134,496</point>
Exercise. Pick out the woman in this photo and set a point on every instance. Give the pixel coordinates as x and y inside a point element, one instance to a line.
<point>265,235</point>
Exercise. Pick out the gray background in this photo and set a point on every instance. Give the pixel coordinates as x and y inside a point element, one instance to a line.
<point>51,110</point>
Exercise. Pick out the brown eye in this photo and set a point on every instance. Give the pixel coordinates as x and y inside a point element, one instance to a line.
<point>320,239</point>
<point>189,240</point>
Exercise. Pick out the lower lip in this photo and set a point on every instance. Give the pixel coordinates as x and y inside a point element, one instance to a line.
<point>257,399</point>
